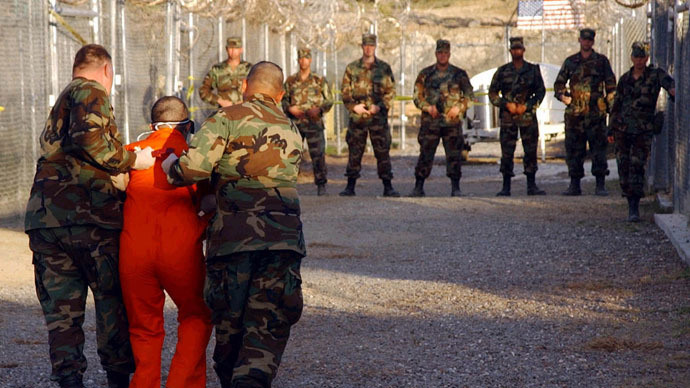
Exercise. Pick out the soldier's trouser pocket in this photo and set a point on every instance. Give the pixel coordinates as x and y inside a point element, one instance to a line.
<point>292,302</point>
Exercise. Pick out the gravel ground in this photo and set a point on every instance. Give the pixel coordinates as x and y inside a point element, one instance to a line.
<point>476,291</point>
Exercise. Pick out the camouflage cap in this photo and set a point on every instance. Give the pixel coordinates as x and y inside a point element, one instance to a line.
<point>303,52</point>
<point>587,33</point>
<point>516,42</point>
<point>233,42</point>
<point>640,50</point>
<point>442,45</point>
<point>369,39</point>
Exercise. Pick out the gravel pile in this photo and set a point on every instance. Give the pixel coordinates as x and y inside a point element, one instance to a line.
<point>476,291</point>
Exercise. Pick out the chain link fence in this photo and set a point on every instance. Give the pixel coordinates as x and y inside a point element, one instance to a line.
<point>160,48</point>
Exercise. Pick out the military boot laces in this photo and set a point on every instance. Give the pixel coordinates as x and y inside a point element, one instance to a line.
<point>388,190</point>
<point>117,380</point>
<point>574,188</point>
<point>505,191</point>
<point>321,190</point>
<point>633,209</point>
<point>350,188</point>
<point>600,189</point>
<point>532,188</point>
<point>73,381</point>
<point>455,188</point>
<point>418,190</point>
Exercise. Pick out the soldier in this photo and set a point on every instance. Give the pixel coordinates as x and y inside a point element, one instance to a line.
<point>73,219</point>
<point>592,86</point>
<point>251,152</point>
<point>633,123</point>
<point>226,77</point>
<point>443,93</point>
<point>161,253</point>
<point>517,88</point>
<point>368,89</point>
<point>307,98</point>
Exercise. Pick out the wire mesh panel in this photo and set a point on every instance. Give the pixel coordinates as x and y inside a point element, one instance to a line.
<point>682,72</point>
<point>23,100</point>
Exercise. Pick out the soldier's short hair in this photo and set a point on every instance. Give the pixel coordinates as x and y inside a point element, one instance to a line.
<point>303,52</point>
<point>169,108</point>
<point>587,33</point>
<point>442,45</point>
<point>368,39</point>
<point>266,76</point>
<point>91,55</point>
<point>640,49</point>
<point>233,42</point>
<point>517,42</point>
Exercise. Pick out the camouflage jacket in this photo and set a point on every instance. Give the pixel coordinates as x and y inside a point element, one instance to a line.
<point>369,86</point>
<point>635,103</point>
<point>226,82</point>
<point>444,89</point>
<point>592,84</point>
<point>251,152</point>
<point>521,86</point>
<point>80,149</point>
<point>307,94</point>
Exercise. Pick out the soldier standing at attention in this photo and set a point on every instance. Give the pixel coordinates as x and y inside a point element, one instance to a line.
<point>251,152</point>
<point>443,93</point>
<point>592,86</point>
<point>307,98</point>
<point>633,123</point>
<point>368,89</point>
<point>226,77</point>
<point>73,219</point>
<point>517,88</point>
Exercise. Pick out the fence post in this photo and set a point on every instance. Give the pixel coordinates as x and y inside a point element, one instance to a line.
<point>125,76</point>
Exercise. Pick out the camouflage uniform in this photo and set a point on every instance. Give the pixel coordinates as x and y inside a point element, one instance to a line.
<point>521,86</point>
<point>226,81</point>
<point>368,86</point>
<point>632,124</point>
<point>251,152</point>
<point>592,84</point>
<point>444,89</point>
<point>73,219</point>
<point>306,94</point>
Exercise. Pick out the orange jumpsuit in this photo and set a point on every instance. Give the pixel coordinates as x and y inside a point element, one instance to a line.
<point>161,249</point>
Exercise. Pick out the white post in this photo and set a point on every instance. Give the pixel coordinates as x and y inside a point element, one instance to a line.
<point>125,78</point>
<point>95,21</point>
<point>190,37</point>
<point>265,33</point>
<point>169,48</point>
<point>54,80</point>
<point>244,39</point>
<point>221,43</point>
<point>403,118</point>
<point>283,56</point>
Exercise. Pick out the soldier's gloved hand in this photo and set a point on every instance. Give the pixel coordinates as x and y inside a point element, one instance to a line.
<point>144,159</point>
<point>360,109</point>
<point>168,162</point>
<point>120,181</point>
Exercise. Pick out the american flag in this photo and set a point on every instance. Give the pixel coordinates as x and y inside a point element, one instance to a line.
<point>551,14</point>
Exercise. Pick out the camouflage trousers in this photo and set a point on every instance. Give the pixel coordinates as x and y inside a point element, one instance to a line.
<point>254,297</point>
<point>316,141</point>
<point>530,139</point>
<point>632,151</point>
<point>67,262</point>
<point>380,136</point>
<point>580,130</point>
<point>430,133</point>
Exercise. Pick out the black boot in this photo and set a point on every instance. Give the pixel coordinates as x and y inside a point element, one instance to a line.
<point>388,190</point>
<point>418,190</point>
<point>532,188</point>
<point>574,188</point>
<point>117,379</point>
<point>321,189</point>
<point>455,187</point>
<point>505,191</point>
<point>350,188</point>
<point>633,209</point>
<point>73,381</point>
<point>600,190</point>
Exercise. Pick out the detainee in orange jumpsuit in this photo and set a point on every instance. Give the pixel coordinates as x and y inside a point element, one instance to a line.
<point>161,250</point>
